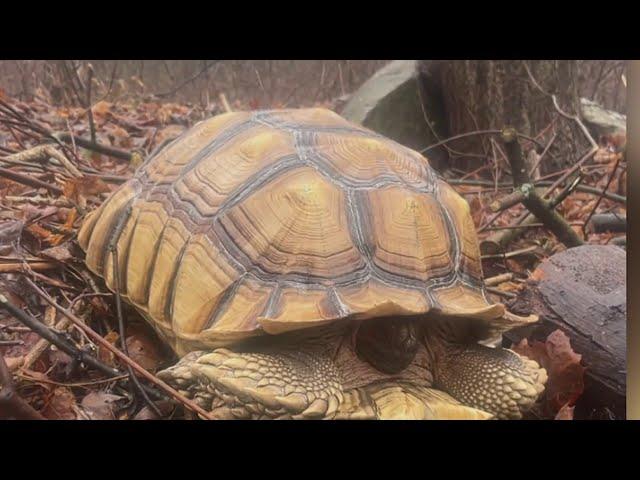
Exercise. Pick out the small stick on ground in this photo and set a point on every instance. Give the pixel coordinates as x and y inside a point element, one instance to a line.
<point>62,343</point>
<point>541,157</point>
<point>28,180</point>
<point>12,405</point>
<point>498,279</point>
<point>225,103</point>
<point>42,345</point>
<point>123,343</point>
<point>595,207</point>
<point>121,356</point>
<point>511,254</point>
<point>93,146</point>
<point>497,291</point>
<point>20,266</point>
<point>544,183</point>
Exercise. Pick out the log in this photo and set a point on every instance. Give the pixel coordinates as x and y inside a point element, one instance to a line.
<point>609,222</point>
<point>582,291</point>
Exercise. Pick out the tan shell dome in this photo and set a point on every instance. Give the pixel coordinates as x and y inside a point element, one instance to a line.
<point>281,220</point>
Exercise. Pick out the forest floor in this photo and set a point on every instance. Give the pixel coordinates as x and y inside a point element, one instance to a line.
<point>45,192</point>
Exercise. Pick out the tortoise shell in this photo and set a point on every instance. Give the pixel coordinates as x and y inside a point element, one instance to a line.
<point>271,221</point>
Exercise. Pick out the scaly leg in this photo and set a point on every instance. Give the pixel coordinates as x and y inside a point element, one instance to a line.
<point>285,383</point>
<point>495,380</point>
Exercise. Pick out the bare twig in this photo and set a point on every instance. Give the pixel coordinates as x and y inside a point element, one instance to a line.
<point>532,200</point>
<point>168,93</point>
<point>513,253</point>
<point>597,204</point>
<point>92,125</point>
<point>28,180</point>
<point>478,132</point>
<point>498,279</point>
<point>526,225</point>
<point>19,266</point>
<point>62,343</point>
<point>123,343</point>
<point>121,356</point>
<point>580,188</point>
<point>42,345</point>
<point>12,405</point>
<point>497,291</point>
<point>224,102</point>
<point>541,157</point>
<point>93,146</point>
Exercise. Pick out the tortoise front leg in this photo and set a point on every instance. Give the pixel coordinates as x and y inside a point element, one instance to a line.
<point>301,383</point>
<point>495,380</point>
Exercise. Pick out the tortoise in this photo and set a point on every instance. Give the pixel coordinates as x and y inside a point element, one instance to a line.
<point>305,267</point>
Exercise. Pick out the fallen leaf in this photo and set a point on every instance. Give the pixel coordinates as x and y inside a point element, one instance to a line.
<point>60,253</point>
<point>565,413</point>
<point>566,375</point>
<point>10,231</point>
<point>75,188</point>
<point>13,363</point>
<point>165,407</point>
<point>60,405</point>
<point>31,212</point>
<point>45,235</point>
<point>100,405</point>
<point>102,108</point>
<point>104,355</point>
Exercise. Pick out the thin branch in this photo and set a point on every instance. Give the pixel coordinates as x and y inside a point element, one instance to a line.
<point>93,146</point>
<point>13,405</point>
<point>123,342</point>
<point>597,204</point>
<point>187,81</point>
<point>121,356</point>
<point>479,132</point>
<point>29,180</point>
<point>541,157</point>
<point>580,188</point>
<point>62,343</point>
<point>534,203</point>
<point>575,118</point>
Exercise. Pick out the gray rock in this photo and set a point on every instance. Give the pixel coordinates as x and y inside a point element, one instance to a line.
<point>390,103</point>
<point>601,121</point>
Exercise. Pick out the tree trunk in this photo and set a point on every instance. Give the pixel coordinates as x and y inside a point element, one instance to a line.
<point>492,94</point>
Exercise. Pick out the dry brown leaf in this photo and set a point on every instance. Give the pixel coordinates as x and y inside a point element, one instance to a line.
<point>78,189</point>
<point>44,234</point>
<point>60,405</point>
<point>71,218</point>
<point>14,363</point>
<point>102,108</point>
<point>565,413</point>
<point>165,407</point>
<point>60,253</point>
<point>100,405</point>
<point>106,356</point>
<point>10,231</point>
<point>566,374</point>
<point>515,266</point>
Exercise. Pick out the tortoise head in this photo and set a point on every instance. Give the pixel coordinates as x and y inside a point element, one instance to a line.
<point>388,343</point>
